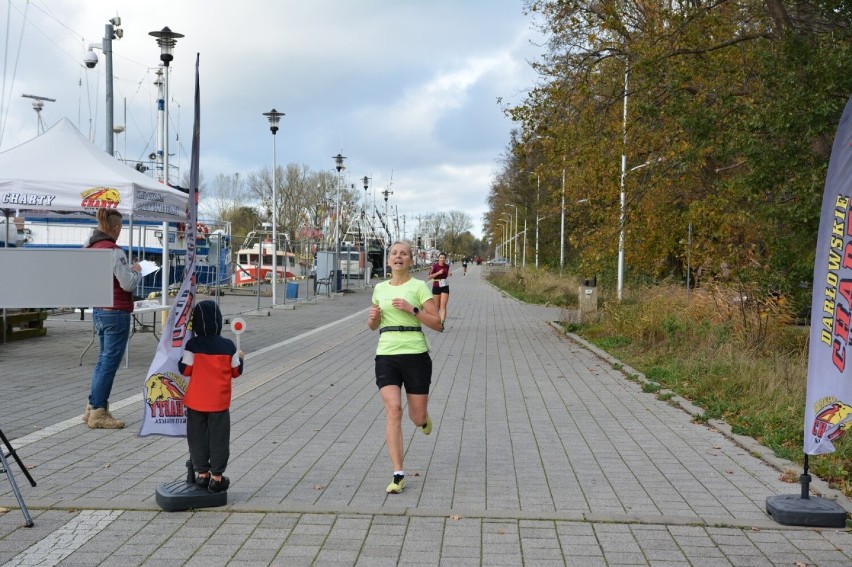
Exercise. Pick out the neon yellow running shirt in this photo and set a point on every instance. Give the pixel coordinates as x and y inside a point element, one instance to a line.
<point>415,292</point>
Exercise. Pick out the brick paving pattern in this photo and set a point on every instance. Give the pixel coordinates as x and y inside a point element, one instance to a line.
<point>543,452</point>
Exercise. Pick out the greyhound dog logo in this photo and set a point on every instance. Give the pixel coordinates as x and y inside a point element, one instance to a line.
<point>164,394</point>
<point>100,198</point>
<point>833,418</point>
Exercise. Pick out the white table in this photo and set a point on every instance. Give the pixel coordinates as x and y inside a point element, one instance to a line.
<point>137,324</point>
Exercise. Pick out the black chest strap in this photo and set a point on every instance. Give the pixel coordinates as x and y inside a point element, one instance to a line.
<point>383,329</point>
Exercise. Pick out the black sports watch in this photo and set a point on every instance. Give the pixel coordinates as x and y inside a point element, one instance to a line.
<point>415,311</point>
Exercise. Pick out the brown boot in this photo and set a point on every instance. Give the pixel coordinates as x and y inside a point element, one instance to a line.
<point>88,413</point>
<point>101,419</point>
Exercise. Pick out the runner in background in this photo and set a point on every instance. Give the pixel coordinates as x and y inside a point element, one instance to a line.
<point>438,274</point>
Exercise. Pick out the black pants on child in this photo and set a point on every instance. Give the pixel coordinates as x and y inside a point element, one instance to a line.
<point>209,437</point>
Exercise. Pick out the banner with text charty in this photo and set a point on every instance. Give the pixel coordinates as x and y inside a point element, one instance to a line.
<point>828,405</point>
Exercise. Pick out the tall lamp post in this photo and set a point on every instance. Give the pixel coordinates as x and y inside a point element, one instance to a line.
<point>562,213</point>
<point>562,227</point>
<point>166,39</point>
<point>515,238</point>
<point>507,228</point>
<point>386,193</point>
<point>537,192</point>
<point>623,219</point>
<point>338,164</point>
<point>274,117</point>
<point>622,199</point>
<point>524,250</point>
<point>508,238</point>
<point>366,181</point>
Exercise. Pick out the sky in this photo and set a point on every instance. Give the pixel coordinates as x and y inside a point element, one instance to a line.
<point>407,90</point>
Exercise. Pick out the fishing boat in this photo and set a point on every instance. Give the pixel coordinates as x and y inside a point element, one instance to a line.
<point>254,259</point>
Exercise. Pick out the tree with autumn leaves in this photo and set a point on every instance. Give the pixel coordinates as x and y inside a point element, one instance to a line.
<point>731,111</point>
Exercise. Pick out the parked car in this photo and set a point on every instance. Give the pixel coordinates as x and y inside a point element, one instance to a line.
<point>498,262</point>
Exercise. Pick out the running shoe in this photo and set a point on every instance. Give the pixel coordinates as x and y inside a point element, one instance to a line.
<point>395,487</point>
<point>426,428</point>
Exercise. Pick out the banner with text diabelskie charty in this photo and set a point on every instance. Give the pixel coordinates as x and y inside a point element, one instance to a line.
<point>162,393</point>
<point>828,405</point>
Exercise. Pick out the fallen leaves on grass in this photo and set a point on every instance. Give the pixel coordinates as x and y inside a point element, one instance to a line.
<point>790,476</point>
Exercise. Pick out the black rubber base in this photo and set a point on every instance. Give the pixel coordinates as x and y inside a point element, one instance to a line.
<point>179,495</point>
<point>793,510</point>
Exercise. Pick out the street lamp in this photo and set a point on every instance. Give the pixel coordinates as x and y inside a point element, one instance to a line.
<point>624,173</point>
<point>562,209</point>
<point>507,228</point>
<point>538,219</point>
<point>537,192</point>
<point>166,39</point>
<point>508,241</point>
<point>562,226</point>
<point>111,31</point>
<point>515,237</point>
<point>386,193</point>
<point>366,181</point>
<point>274,117</point>
<point>338,164</point>
<point>524,255</point>
<point>622,200</point>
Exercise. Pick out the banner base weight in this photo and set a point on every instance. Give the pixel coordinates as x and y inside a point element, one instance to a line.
<point>793,510</point>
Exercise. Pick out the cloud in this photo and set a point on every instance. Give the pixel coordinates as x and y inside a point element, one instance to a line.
<point>408,87</point>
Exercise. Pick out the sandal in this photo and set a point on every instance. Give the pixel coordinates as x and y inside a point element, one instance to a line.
<point>202,481</point>
<point>219,485</point>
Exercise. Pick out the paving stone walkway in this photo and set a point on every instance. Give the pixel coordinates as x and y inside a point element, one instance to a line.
<point>542,453</point>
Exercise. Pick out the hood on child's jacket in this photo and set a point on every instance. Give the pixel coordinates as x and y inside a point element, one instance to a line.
<point>206,319</point>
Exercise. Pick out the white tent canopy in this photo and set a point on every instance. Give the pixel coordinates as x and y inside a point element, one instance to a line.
<point>61,173</point>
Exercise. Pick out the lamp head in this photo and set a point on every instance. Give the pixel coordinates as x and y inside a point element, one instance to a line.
<point>273,116</point>
<point>166,39</point>
<point>338,162</point>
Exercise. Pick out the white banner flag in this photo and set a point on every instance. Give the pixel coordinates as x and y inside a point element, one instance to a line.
<point>828,407</point>
<point>164,387</point>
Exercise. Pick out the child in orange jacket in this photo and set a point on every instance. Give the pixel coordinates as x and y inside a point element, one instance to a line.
<point>211,361</point>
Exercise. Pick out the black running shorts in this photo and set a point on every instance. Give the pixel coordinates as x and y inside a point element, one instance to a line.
<point>414,371</point>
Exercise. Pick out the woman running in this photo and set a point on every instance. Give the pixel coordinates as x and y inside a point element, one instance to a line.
<point>401,305</point>
<point>439,273</point>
